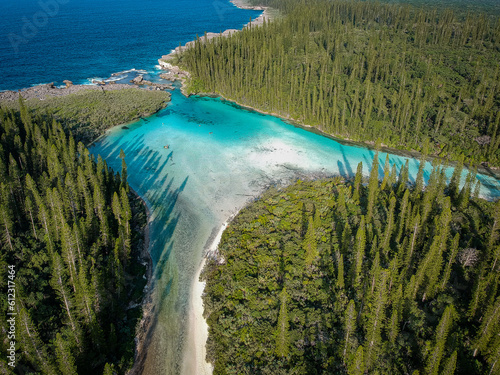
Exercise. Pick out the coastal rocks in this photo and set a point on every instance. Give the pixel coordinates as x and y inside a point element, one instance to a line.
<point>203,39</point>
<point>47,91</point>
<point>174,72</point>
<point>138,80</point>
<point>159,86</point>
<point>68,83</point>
<point>244,5</point>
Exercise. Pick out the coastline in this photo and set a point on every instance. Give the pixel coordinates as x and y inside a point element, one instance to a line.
<point>144,324</point>
<point>198,327</point>
<point>241,4</point>
<point>194,361</point>
<point>197,324</point>
<point>493,172</point>
<point>42,92</point>
<point>413,154</point>
<point>183,75</point>
<point>197,330</point>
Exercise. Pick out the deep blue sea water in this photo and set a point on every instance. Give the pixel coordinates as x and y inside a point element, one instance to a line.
<point>44,41</point>
<point>219,156</point>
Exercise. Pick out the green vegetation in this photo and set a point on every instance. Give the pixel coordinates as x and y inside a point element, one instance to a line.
<point>364,70</point>
<point>88,113</point>
<point>346,277</point>
<point>73,235</point>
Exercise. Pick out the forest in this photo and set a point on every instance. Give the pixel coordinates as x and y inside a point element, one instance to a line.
<point>359,276</point>
<point>362,70</point>
<point>71,236</point>
<point>88,113</point>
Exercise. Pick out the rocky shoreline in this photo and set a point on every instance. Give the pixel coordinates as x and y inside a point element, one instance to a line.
<point>46,91</point>
<point>242,4</point>
<point>177,74</point>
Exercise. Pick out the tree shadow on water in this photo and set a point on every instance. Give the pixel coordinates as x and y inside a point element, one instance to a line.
<point>150,174</point>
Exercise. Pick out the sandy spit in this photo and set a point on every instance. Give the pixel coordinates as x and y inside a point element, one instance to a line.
<point>195,355</point>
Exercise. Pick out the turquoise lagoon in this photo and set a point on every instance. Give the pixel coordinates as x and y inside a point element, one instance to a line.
<point>219,158</point>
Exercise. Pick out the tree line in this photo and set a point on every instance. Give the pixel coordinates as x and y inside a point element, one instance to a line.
<point>364,70</point>
<point>70,228</point>
<point>88,113</point>
<point>359,276</point>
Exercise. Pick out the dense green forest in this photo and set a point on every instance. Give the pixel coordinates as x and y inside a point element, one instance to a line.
<point>70,237</point>
<point>88,113</point>
<point>363,70</point>
<point>359,276</point>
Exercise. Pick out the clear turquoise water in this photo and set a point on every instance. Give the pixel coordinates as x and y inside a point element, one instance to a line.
<point>219,158</point>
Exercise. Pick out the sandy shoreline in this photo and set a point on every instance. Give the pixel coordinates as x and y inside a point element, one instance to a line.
<point>194,362</point>
<point>197,331</point>
<point>197,326</point>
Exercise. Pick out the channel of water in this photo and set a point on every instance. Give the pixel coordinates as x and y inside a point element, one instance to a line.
<point>196,163</point>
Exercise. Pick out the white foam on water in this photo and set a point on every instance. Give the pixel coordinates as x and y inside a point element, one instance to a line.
<point>116,78</point>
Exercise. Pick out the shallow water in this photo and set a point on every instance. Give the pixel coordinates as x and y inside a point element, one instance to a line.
<point>219,157</point>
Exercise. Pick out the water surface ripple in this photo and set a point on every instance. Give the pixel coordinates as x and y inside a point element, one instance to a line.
<point>219,157</point>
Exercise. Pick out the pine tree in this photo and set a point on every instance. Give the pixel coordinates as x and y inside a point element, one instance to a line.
<point>441,335</point>
<point>357,182</point>
<point>403,178</point>
<point>402,215</point>
<point>450,365</point>
<point>349,328</point>
<point>124,184</point>
<point>396,316</point>
<point>493,357</point>
<point>490,324</point>
<point>451,260</point>
<point>495,226</point>
<point>376,320</point>
<point>454,184</point>
<point>340,273</point>
<point>465,193</point>
<point>388,226</point>
<point>33,347</point>
<point>309,243</point>
<point>59,284</point>
<point>387,170</point>
<point>419,179</point>
<point>375,271</point>
<point>360,244</point>
<point>415,228</point>
<point>372,188</point>
<point>357,366</point>
<point>65,357</point>
<point>282,329</point>
<point>6,219</point>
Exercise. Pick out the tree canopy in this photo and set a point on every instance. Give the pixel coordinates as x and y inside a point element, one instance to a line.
<point>308,282</point>
<point>364,70</point>
<point>70,230</point>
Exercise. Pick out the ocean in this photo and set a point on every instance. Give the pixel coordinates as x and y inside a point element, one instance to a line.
<point>43,41</point>
<point>219,158</point>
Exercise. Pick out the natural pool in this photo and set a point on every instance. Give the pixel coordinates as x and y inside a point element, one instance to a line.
<point>219,157</point>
